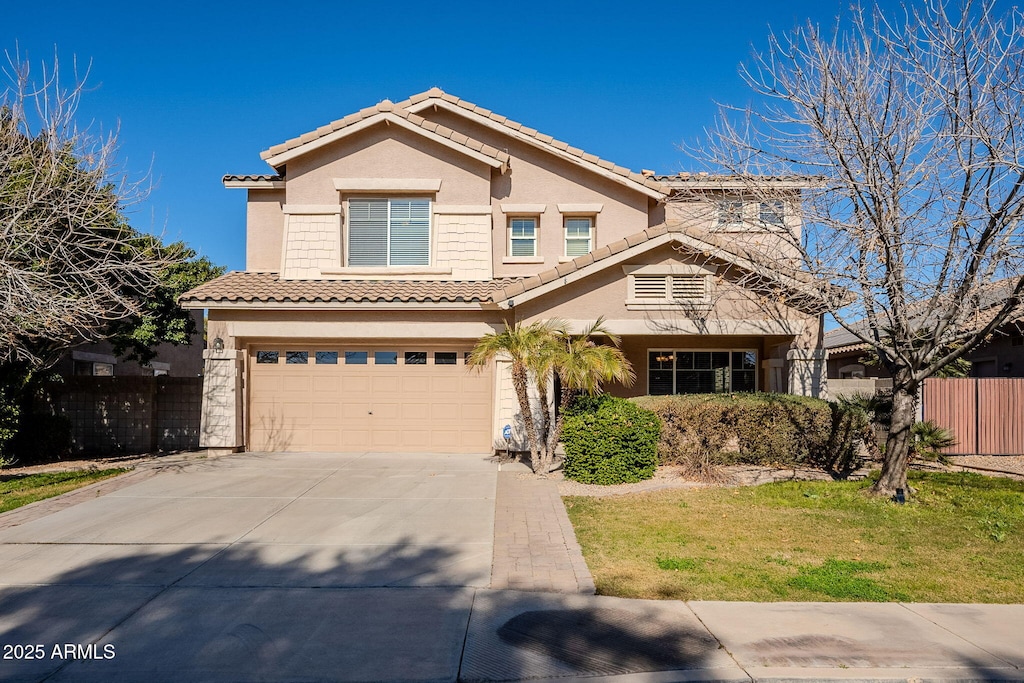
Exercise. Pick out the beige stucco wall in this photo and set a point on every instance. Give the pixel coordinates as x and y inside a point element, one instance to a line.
<point>605,292</point>
<point>384,151</point>
<point>239,327</point>
<point>538,177</point>
<point>264,230</point>
<point>702,214</point>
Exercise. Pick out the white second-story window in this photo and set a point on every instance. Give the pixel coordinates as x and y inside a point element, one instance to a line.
<point>579,234</point>
<point>389,232</point>
<point>773,213</point>
<point>730,213</point>
<point>522,236</point>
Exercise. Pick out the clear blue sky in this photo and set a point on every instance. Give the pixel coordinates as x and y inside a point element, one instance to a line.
<point>200,88</point>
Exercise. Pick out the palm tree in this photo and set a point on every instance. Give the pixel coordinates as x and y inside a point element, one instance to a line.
<point>539,351</point>
<point>524,345</point>
<point>583,366</point>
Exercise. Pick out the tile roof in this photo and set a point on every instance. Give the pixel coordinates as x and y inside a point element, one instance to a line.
<point>251,177</point>
<point>400,109</point>
<point>385,108</point>
<point>437,93</point>
<point>712,243</point>
<point>250,287</point>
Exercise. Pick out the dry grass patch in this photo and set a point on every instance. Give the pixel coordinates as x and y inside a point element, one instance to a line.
<point>960,540</point>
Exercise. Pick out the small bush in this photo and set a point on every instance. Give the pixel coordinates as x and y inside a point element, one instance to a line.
<point>757,428</point>
<point>609,440</point>
<point>10,411</point>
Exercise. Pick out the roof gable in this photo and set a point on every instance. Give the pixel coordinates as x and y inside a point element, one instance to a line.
<point>618,252</point>
<point>435,97</point>
<point>406,114</point>
<point>385,112</point>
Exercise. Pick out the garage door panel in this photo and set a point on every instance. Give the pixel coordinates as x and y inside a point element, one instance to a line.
<point>386,386</point>
<point>355,439</point>
<point>474,413</point>
<point>326,412</point>
<point>356,384</point>
<point>443,412</point>
<point>354,411</point>
<point>415,385</point>
<point>301,385</point>
<point>386,411</point>
<point>415,411</point>
<point>327,385</point>
<point>446,385</point>
<point>326,439</point>
<point>441,408</point>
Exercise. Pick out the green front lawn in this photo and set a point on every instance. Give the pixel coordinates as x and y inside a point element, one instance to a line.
<point>961,539</point>
<point>16,491</point>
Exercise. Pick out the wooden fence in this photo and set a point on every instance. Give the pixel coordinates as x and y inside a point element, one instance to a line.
<point>986,415</point>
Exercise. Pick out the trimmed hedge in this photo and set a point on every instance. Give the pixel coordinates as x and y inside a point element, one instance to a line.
<point>609,440</point>
<point>757,428</point>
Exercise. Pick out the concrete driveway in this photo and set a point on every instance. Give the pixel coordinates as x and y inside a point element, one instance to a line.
<point>255,567</point>
<point>341,567</point>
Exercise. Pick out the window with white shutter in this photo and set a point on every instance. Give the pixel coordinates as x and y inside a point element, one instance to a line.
<point>388,232</point>
<point>578,236</point>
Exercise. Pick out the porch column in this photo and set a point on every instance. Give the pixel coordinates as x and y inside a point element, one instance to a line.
<point>807,372</point>
<point>221,424</point>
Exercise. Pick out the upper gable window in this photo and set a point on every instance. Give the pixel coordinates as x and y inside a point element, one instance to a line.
<point>388,232</point>
<point>730,213</point>
<point>773,213</point>
<point>579,236</point>
<point>522,236</point>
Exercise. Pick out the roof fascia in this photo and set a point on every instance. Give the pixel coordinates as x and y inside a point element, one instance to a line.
<point>534,142</point>
<point>277,160</point>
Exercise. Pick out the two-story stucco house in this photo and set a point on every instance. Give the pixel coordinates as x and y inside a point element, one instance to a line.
<point>387,242</point>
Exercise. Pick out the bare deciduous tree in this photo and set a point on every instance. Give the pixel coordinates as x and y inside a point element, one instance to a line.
<point>912,129</point>
<point>70,264</point>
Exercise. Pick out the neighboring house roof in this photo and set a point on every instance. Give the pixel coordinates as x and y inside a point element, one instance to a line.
<point>239,287</point>
<point>638,243</point>
<point>992,296</point>
<point>385,111</point>
<point>843,341</point>
<point>407,111</point>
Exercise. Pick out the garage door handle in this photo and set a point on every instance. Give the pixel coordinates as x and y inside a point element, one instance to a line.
<point>370,413</point>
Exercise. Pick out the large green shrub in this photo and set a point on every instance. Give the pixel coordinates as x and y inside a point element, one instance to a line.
<point>609,440</point>
<point>757,428</point>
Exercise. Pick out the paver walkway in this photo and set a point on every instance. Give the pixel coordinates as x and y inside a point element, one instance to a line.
<point>535,547</point>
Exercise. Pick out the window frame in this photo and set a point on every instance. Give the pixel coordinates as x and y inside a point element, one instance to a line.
<point>674,370</point>
<point>722,214</point>
<point>592,223</point>
<point>536,235</point>
<point>779,211</point>
<point>387,243</point>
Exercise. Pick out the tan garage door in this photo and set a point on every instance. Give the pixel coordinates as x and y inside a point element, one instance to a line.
<point>380,398</point>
